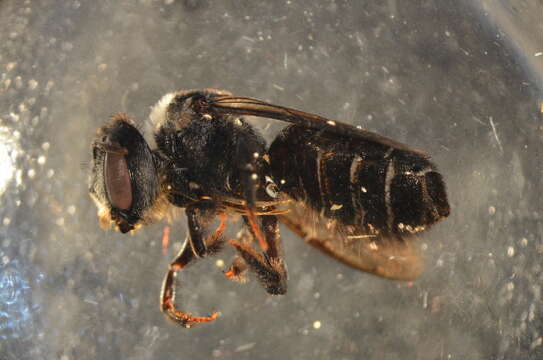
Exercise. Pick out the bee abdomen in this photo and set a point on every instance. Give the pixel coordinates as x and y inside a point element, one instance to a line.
<point>365,185</point>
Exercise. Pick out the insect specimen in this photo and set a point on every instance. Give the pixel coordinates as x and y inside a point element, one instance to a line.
<point>356,195</point>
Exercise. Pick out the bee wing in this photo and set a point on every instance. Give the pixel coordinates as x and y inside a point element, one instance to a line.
<point>238,105</point>
<point>392,256</point>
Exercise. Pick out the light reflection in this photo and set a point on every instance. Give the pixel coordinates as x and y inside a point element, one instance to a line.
<point>8,153</point>
<point>15,309</point>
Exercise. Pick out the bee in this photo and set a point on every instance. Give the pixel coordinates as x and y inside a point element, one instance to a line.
<point>359,197</point>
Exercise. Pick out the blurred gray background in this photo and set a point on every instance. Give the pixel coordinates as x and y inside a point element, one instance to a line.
<point>462,80</point>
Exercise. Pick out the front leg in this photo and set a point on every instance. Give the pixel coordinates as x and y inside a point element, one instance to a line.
<point>200,216</point>
<point>196,246</point>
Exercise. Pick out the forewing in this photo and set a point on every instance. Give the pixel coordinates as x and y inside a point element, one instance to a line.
<point>237,105</point>
<point>392,256</point>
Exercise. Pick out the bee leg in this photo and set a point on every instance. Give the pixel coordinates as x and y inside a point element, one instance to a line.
<point>238,270</point>
<point>268,265</point>
<point>196,246</point>
<point>199,216</point>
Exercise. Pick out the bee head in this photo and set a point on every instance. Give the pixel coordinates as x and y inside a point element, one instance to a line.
<point>124,180</point>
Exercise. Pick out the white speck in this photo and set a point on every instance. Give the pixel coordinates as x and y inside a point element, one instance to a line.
<point>256,155</point>
<point>317,295</point>
<point>60,221</point>
<point>495,134</point>
<point>5,260</point>
<point>50,173</point>
<point>207,117</point>
<point>14,116</point>
<point>6,221</point>
<point>193,185</point>
<point>49,85</point>
<point>331,123</point>
<point>364,190</point>
<point>31,173</point>
<point>524,242</point>
<point>510,286</point>
<point>42,159</point>
<point>335,207</point>
<point>254,176</point>
<point>71,209</point>
<point>102,67</point>
<point>537,342</point>
<point>491,210</point>
<point>219,263</point>
<point>317,325</point>
<point>280,88</point>
<point>88,301</point>
<point>283,181</point>
<point>67,46</point>
<point>238,122</point>
<point>32,84</point>
<point>538,53</point>
<point>510,251</point>
<point>245,347</point>
<point>10,66</point>
<point>43,112</point>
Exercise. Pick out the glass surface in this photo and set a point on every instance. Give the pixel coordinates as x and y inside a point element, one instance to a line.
<point>461,80</point>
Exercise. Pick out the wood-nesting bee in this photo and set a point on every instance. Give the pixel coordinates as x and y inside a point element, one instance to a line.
<point>356,195</point>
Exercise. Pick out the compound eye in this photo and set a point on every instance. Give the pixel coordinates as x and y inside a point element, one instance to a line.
<point>272,190</point>
<point>117,181</point>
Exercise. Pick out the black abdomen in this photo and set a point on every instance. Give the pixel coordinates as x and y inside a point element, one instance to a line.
<point>358,183</point>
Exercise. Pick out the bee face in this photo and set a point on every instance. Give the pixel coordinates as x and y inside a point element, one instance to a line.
<point>124,182</point>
